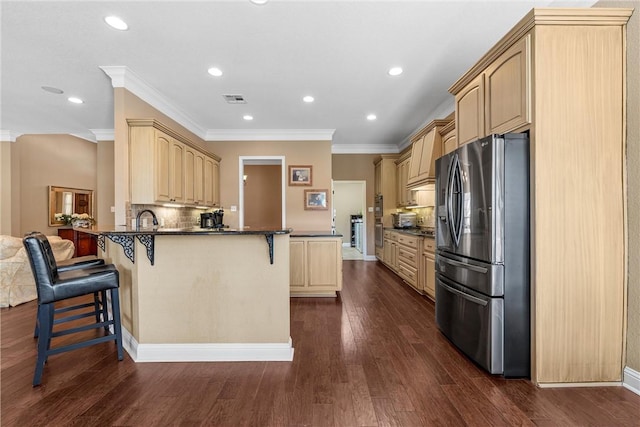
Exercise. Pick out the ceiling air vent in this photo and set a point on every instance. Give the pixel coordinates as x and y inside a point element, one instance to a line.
<point>234,99</point>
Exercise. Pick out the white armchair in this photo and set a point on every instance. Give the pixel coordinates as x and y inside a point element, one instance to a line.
<point>17,285</point>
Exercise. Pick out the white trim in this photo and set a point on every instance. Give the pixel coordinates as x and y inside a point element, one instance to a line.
<point>196,352</point>
<point>587,384</point>
<point>128,342</point>
<point>631,380</point>
<point>104,134</point>
<point>364,149</point>
<point>269,134</point>
<point>122,76</point>
<point>370,258</point>
<point>9,136</point>
<point>86,136</point>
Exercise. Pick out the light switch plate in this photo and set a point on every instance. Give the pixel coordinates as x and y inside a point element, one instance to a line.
<point>370,209</point>
<point>234,208</point>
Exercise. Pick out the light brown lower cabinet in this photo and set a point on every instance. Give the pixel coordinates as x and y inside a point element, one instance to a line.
<point>315,265</point>
<point>428,268</point>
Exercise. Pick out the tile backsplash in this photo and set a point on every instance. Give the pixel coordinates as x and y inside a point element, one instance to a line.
<point>426,216</point>
<point>172,217</point>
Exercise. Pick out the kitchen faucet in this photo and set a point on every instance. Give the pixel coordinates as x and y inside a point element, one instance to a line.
<point>155,220</point>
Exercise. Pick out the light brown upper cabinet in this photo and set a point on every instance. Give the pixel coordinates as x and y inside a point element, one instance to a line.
<point>470,111</point>
<point>165,167</point>
<point>426,148</point>
<point>403,195</point>
<point>449,140</point>
<point>508,89</point>
<point>211,182</point>
<point>498,99</point>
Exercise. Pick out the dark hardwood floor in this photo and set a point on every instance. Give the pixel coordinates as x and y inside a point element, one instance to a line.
<point>372,357</point>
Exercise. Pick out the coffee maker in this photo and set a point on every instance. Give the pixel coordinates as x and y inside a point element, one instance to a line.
<point>206,220</point>
<point>212,219</point>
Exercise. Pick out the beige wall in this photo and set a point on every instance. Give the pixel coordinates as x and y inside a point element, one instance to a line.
<point>358,167</point>
<point>44,160</point>
<point>314,153</point>
<point>129,106</point>
<point>633,180</point>
<point>5,187</point>
<point>105,198</point>
<point>263,196</point>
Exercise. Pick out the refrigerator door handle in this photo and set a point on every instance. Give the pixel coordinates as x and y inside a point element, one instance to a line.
<point>455,207</point>
<point>449,198</point>
<point>463,265</point>
<point>463,295</point>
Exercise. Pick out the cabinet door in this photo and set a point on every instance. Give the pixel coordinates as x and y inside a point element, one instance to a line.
<point>430,275</point>
<point>470,111</point>
<point>163,165</point>
<point>189,175</point>
<point>449,142</point>
<point>430,151</point>
<point>508,89</point>
<point>176,171</point>
<point>416,158</point>
<point>377,183</point>
<point>215,183</point>
<point>297,263</point>
<point>211,175</point>
<point>323,260</point>
<point>198,177</point>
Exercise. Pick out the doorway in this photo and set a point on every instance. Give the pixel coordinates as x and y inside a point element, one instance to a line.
<point>262,192</point>
<point>349,204</point>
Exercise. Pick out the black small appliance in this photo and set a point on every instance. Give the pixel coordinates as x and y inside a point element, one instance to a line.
<point>206,220</point>
<point>212,219</point>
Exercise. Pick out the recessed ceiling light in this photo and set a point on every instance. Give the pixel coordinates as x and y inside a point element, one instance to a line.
<point>52,90</point>
<point>308,98</point>
<point>247,117</point>
<point>395,71</point>
<point>75,100</point>
<point>117,23</point>
<point>214,71</point>
<point>259,2</point>
<point>371,117</point>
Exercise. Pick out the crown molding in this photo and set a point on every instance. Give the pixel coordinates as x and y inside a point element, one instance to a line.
<point>269,135</point>
<point>8,135</point>
<point>123,76</point>
<point>104,134</point>
<point>364,149</point>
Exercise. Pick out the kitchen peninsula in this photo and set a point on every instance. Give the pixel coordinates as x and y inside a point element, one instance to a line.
<point>195,294</point>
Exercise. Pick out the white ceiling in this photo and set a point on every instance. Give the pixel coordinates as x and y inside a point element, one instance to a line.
<point>337,51</point>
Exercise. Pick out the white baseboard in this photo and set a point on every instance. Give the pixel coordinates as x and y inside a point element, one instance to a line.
<point>631,380</point>
<point>196,352</point>
<point>370,258</point>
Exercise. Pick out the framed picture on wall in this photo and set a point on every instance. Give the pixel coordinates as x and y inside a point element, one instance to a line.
<point>299,175</point>
<point>315,199</point>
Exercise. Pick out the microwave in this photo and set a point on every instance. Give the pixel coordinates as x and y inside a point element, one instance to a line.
<point>404,220</point>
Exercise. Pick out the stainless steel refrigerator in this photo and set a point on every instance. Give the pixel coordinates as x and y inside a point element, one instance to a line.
<point>482,255</point>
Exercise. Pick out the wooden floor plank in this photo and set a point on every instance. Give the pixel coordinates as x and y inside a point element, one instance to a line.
<point>373,356</point>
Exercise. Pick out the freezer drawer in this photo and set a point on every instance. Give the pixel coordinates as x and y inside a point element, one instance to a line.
<point>473,322</point>
<point>485,278</point>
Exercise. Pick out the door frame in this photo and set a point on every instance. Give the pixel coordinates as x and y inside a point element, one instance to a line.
<point>260,160</point>
<point>363,186</point>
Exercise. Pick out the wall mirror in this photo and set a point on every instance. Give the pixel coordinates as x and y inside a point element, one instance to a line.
<point>63,200</point>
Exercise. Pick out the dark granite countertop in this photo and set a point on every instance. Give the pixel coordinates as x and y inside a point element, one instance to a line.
<point>187,231</point>
<point>315,233</point>
<point>420,232</point>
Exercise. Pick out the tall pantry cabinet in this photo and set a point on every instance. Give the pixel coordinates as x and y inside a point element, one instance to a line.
<point>560,75</point>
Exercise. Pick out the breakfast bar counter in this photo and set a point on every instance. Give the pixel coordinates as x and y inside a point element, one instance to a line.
<point>210,295</point>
